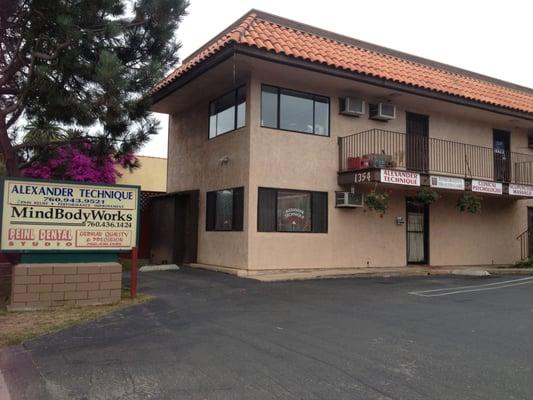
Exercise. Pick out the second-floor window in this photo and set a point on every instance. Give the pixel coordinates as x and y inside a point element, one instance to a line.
<point>296,111</point>
<point>228,112</point>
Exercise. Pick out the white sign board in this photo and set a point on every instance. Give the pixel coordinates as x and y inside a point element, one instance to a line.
<point>487,187</point>
<point>520,190</point>
<point>400,177</point>
<point>445,182</point>
<point>54,215</point>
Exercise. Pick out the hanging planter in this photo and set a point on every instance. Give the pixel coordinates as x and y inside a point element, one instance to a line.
<point>426,197</point>
<point>377,202</point>
<point>469,203</point>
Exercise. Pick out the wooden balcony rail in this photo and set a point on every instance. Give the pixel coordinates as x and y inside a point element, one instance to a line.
<point>377,148</point>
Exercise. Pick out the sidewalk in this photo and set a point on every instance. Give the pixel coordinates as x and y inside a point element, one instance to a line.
<point>385,272</point>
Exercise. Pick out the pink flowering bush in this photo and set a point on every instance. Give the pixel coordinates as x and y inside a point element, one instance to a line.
<point>78,163</point>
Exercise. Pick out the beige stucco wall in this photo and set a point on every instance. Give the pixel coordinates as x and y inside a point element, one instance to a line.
<point>197,163</point>
<point>482,239</point>
<point>357,238</point>
<point>151,175</point>
<point>262,157</point>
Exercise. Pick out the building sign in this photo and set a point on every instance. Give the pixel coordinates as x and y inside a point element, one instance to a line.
<point>400,177</point>
<point>445,182</point>
<point>487,187</point>
<point>520,190</point>
<point>54,215</point>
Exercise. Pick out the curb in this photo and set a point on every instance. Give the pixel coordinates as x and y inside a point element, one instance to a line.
<point>392,274</point>
<point>280,276</point>
<point>511,271</point>
<point>163,267</point>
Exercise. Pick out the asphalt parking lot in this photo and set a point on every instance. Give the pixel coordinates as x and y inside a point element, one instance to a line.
<point>215,336</point>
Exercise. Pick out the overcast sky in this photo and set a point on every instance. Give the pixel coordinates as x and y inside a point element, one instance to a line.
<point>490,37</point>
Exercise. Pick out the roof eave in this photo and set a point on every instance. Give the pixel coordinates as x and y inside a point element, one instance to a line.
<point>322,68</point>
<point>233,48</point>
<point>194,72</point>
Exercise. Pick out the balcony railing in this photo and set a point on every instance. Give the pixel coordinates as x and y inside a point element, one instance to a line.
<point>377,148</point>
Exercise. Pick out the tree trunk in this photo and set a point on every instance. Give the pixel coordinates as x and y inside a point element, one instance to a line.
<point>7,150</point>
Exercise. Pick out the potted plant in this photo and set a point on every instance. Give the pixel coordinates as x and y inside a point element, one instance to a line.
<point>378,202</point>
<point>426,197</point>
<point>469,203</point>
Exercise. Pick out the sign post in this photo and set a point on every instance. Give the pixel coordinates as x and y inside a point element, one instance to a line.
<point>133,273</point>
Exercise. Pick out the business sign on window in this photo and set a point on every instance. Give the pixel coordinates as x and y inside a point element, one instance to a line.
<point>445,182</point>
<point>400,177</point>
<point>487,187</point>
<point>520,190</point>
<point>54,215</point>
<point>294,211</point>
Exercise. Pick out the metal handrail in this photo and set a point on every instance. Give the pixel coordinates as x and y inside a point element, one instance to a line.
<point>435,155</point>
<point>524,243</point>
<point>523,233</point>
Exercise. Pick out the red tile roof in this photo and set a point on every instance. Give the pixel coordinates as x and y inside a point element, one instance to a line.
<point>271,33</point>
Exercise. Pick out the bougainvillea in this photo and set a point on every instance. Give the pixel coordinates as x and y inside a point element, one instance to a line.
<point>80,162</point>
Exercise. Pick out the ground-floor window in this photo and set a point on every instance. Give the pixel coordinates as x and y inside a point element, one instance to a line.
<point>225,210</point>
<point>285,210</point>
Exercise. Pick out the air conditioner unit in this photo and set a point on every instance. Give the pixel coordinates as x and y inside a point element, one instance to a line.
<point>348,199</point>
<point>382,111</point>
<point>352,106</point>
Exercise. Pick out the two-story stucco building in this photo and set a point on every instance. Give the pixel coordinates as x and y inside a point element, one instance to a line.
<point>271,119</point>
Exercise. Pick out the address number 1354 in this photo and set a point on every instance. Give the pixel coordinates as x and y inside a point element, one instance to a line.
<point>362,177</point>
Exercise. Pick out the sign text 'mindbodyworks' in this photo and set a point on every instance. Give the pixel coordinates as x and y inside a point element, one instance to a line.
<point>68,216</point>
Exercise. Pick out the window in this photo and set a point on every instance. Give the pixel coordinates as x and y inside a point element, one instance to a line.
<point>225,210</point>
<point>291,110</point>
<point>228,112</point>
<point>282,210</point>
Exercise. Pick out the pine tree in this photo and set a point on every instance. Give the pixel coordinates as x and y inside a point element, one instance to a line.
<point>86,66</point>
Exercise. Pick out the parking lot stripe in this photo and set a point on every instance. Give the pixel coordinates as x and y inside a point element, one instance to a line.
<point>4,392</point>
<point>472,288</point>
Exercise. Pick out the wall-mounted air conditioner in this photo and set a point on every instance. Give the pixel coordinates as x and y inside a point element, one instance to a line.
<point>382,111</point>
<point>348,199</point>
<point>352,106</point>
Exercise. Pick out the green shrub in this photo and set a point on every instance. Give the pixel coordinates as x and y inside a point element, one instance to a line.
<point>527,263</point>
<point>469,203</point>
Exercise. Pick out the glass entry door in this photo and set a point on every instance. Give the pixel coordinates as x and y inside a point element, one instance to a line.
<point>417,233</point>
